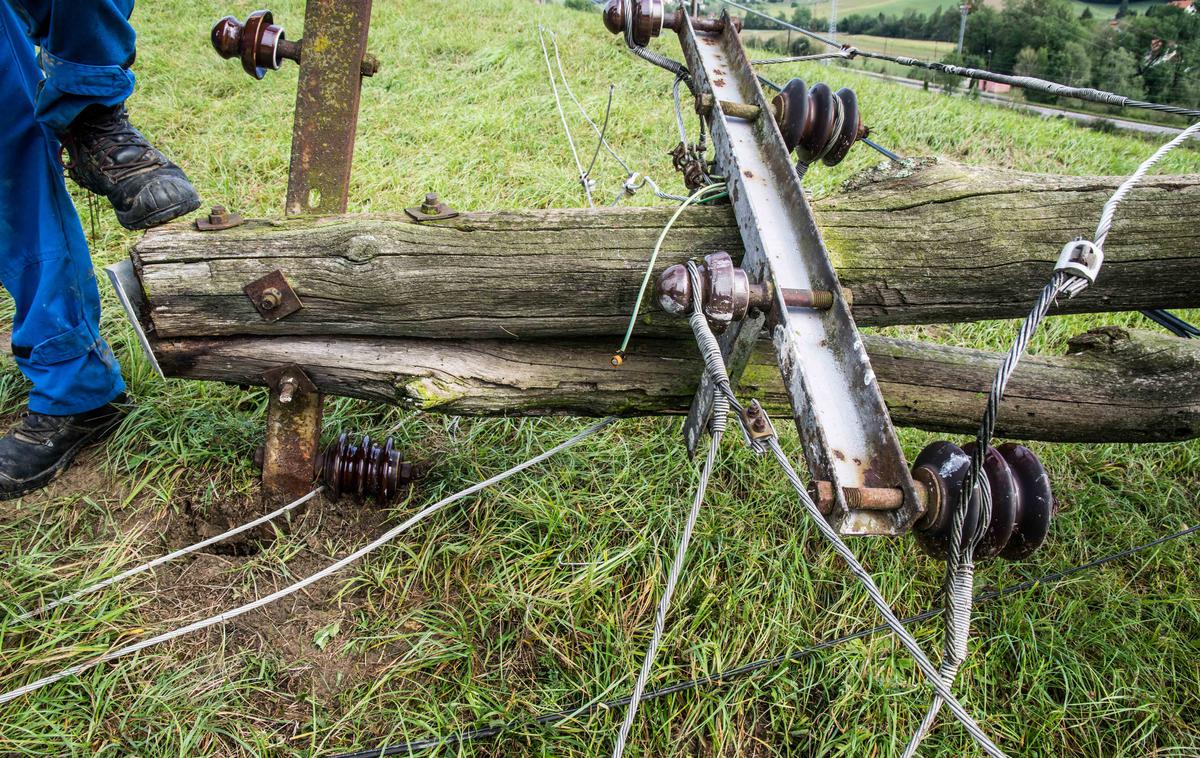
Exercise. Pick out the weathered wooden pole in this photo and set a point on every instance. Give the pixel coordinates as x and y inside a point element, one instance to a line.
<point>926,244</point>
<point>519,312</point>
<point>1114,385</point>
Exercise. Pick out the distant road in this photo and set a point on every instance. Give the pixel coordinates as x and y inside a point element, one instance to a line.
<point>1045,110</point>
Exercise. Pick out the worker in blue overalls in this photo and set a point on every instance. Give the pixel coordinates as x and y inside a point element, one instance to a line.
<point>64,78</point>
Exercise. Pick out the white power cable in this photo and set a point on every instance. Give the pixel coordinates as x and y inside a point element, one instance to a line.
<point>300,585</point>
<point>583,178</point>
<point>168,558</point>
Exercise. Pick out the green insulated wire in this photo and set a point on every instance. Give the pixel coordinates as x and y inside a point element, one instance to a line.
<point>700,195</point>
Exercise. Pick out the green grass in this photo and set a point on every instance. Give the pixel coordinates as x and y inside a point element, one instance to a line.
<point>478,616</point>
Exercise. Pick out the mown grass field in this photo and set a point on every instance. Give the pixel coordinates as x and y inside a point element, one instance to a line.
<point>539,594</point>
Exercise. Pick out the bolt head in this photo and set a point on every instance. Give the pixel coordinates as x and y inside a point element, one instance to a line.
<point>272,298</point>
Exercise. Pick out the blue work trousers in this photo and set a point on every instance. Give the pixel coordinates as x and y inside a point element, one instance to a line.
<point>85,49</point>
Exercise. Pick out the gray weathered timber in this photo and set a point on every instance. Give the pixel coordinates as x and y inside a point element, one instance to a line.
<point>928,242</point>
<point>1114,385</point>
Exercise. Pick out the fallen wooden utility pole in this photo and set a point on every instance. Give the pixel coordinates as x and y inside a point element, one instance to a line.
<point>426,314</point>
<point>1115,386</point>
<point>928,243</point>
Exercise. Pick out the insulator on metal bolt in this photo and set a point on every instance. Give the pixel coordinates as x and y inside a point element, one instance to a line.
<point>365,470</point>
<point>818,124</point>
<point>1022,504</point>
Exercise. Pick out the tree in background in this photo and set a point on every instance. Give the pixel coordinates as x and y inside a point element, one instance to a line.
<point>1118,72</point>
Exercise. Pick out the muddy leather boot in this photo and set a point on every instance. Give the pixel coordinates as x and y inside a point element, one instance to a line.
<point>111,158</point>
<point>41,447</point>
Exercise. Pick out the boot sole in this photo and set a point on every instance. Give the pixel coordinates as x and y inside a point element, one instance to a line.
<point>158,218</point>
<point>44,479</point>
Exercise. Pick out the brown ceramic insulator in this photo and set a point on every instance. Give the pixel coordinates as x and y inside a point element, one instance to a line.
<point>365,470</point>
<point>818,124</point>
<point>1022,506</point>
<point>649,17</point>
<point>1036,508</point>
<point>943,467</point>
<point>255,42</point>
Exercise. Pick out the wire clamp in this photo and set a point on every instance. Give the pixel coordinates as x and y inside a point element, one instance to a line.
<point>1082,259</point>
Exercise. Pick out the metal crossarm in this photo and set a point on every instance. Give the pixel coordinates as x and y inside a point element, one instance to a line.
<point>848,438</point>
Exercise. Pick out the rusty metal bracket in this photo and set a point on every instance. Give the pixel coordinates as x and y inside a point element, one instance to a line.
<point>219,219</point>
<point>273,297</point>
<point>432,209</point>
<point>294,416</point>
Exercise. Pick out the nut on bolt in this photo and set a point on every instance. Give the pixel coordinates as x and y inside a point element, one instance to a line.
<point>727,293</point>
<point>219,218</point>
<point>271,299</point>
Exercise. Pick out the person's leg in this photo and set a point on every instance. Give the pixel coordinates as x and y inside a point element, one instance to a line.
<point>86,49</point>
<point>46,268</point>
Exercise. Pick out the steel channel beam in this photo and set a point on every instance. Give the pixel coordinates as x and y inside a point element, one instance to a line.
<point>847,433</point>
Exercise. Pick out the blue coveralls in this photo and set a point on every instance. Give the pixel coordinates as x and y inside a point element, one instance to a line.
<point>86,48</point>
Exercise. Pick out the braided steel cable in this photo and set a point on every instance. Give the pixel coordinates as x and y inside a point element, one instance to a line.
<point>714,362</point>
<point>800,59</point>
<point>881,604</point>
<point>1110,208</point>
<point>806,32</point>
<point>960,565</point>
<point>312,579</point>
<point>720,412</point>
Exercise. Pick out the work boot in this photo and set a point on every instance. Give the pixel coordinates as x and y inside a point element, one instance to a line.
<point>111,158</point>
<point>41,447</point>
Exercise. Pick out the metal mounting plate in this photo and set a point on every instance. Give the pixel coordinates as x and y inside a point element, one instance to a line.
<point>847,434</point>
<point>273,297</point>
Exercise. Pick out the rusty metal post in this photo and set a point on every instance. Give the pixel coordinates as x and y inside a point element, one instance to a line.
<point>327,99</point>
<point>335,45</point>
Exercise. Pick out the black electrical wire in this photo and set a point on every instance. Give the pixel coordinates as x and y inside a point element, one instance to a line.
<point>1023,82</point>
<point>1172,323</point>
<point>723,678</point>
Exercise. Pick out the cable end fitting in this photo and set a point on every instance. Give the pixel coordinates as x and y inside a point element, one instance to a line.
<point>1081,258</point>
<point>618,358</point>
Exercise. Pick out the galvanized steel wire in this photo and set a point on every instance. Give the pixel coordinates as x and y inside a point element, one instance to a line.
<point>720,413</point>
<point>726,677</point>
